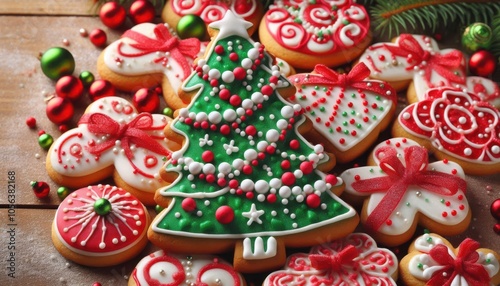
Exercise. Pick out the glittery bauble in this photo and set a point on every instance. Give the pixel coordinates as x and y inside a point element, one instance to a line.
<point>146,100</point>
<point>45,141</point>
<point>98,37</point>
<point>167,111</point>
<point>62,192</point>
<point>57,62</point>
<point>113,15</point>
<point>101,88</point>
<point>482,63</point>
<point>477,36</point>
<point>191,26</point>
<point>495,209</point>
<point>102,206</point>
<point>69,87</point>
<point>86,77</point>
<point>41,189</point>
<point>59,110</point>
<point>142,11</point>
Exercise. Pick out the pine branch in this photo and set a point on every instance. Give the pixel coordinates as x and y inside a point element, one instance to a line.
<point>495,44</point>
<point>391,17</point>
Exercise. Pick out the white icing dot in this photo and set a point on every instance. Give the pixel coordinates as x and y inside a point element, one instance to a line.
<point>262,145</point>
<point>238,164</point>
<point>275,183</point>
<point>462,120</point>
<point>253,54</point>
<point>299,198</point>
<point>228,76</point>
<point>214,73</point>
<point>282,124</point>
<point>261,197</point>
<point>261,187</point>
<point>272,135</point>
<point>115,241</point>
<point>406,115</point>
<point>201,116</point>
<point>298,174</point>
<point>224,168</point>
<point>208,169</point>
<point>229,115</point>
<point>123,238</point>
<point>294,225</point>
<point>246,63</point>
<point>287,112</point>
<point>320,186</point>
<point>135,232</point>
<point>195,168</point>
<point>285,192</point>
<point>284,202</point>
<point>250,154</point>
<point>138,223</point>
<point>247,185</point>
<point>495,149</point>
<point>467,152</point>
<point>102,245</point>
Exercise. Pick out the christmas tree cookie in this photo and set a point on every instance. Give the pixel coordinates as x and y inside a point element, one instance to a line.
<point>245,179</point>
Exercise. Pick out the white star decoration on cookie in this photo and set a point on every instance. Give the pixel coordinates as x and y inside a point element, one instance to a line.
<point>231,25</point>
<point>230,148</point>
<point>253,215</point>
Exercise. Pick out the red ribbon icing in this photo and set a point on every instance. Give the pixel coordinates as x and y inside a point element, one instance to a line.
<point>399,178</point>
<point>334,262</point>
<point>464,265</point>
<point>443,64</point>
<point>355,79</point>
<point>164,42</point>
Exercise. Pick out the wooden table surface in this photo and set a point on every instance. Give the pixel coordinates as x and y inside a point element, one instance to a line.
<point>28,28</point>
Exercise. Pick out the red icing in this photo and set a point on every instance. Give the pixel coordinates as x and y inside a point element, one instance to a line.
<point>214,10</point>
<point>178,276</point>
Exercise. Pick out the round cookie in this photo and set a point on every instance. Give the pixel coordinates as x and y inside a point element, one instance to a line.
<point>305,33</point>
<point>160,268</point>
<point>213,10</point>
<point>100,226</point>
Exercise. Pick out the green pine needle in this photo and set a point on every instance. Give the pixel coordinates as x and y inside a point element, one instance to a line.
<point>495,44</point>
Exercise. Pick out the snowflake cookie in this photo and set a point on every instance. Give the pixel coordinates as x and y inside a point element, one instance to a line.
<point>433,261</point>
<point>354,260</point>
<point>402,189</point>
<point>112,139</point>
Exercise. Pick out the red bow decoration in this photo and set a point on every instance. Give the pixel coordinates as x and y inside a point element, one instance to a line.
<point>355,78</point>
<point>334,262</point>
<point>129,133</point>
<point>442,64</point>
<point>464,265</point>
<point>164,42</point>
<point>399,178</point>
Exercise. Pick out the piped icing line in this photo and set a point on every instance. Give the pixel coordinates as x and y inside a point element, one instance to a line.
<point>80,227</point>
<point>437,190</point>
<point>437,264</point>
<point>456,123</point>
<point>214,10</point>
<point>318,27</point>
<point>160,268</point>
<point>354,260</point>
<point>111,132</point>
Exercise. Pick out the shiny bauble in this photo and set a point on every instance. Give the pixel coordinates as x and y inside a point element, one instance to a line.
<point>59,110</point>
<point>482,63</point>
<point>98,38</point>
<point>101,88</point>
<point>191,26</point>
<point>142,11</point>
<point>113,15</point>
<point>57,62</point>
<point>69,87</point>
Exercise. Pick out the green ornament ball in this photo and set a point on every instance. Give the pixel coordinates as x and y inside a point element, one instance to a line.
<point>191,26</point>
<point>102,206</point>
<point>45,141</point>
<point>87,78</point>
<point>62,192</point>
<point>57,62</point>
<point>477,36</point>
<point>167,111</point>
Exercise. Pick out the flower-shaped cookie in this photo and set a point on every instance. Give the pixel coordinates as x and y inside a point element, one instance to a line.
<point>148,55</point>
<point>160,268</point>
<point>457,126</point>
<point>112,140</point>
<point>415,58</point>
<point>433,261</point>
<point>404,189</point>
<point>346,110</point>
<point>354,260</point>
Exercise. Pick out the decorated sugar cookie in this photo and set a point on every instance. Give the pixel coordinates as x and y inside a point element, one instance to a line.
<point>160,268</point>
<point>433,261</point>
<point>245,179</point>
<point>100,225</point>
<point>402,189</point>
<point>354,260</point>
<point>112,139</point>
<point>457,126</point>
<point>212,10</point>
<point>149,55</point>
<point>305,33</point>
<point>347,111</point>
<point>485,89</point>
<point>415,59</point>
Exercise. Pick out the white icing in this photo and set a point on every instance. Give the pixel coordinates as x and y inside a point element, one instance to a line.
<point>259,250</point>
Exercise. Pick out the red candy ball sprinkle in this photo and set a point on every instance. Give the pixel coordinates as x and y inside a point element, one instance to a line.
<point>113,15</point>
<point>188,205</point>
<point>313,201</point>
<point>69,87</point>
<point>59,110</point>
<point>224,214</point>
<point>31,122</point>
<point>98,37</point>
<point>495,209</point>
<point>101,88</point>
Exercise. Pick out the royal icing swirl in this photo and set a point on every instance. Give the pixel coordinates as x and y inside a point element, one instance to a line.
<point>102,140</point>
<point>214,10</point>
<point>317,27</point>
<point>81,229</point>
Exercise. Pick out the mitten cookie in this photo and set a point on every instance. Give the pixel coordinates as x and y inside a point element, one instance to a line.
<point>433,261</point>
<point>160,268</point>
<point>402,189</point>
<point>354,260</point>
<point>213,10</point>
<point>112,140</point>
<point>245,178</point>
<point>100,226</point>
<point>456,126</point>
<point>347,111</point>
<point>305,33</point>
<point>149,55</point>
<point>415,60</point>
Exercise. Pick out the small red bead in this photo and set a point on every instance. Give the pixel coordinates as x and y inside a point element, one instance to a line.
<point>224,94</point>
<point>247,169</point>
<point>306,167</point>
<point>495,209</point>
<point>224,214</point>
<point>313,201</point>
<point>496,228</point>
<point>388,222</point>
<point>239,73</point>
<point>444,214</point>
<point>207,156</point>
<point>233,56</point>
<point>285,164</point>
<point>266,90</point>
<point>235,100</point>
<point>249,195</point>
<point>225,129</point>
<point>210,178</point>
<point>219,49</point>
<point>271,198</point>
<point>288,178</point>
<point>98,37</point>
<point>331,179</point>
<point>41,189</point>
<point>31,122</point>
<point>188,204</point>
<point>233,184</point>
<point>221,182</point>
<point>294,144</point>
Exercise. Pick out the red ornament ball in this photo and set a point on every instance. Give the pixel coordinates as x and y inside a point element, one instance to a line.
<point>495,209</point>
<point>69,87</point>
<point>146,100</point>
<point>207,156</point>
<point>288,178</point>
<point>496,228</point>
<point>59,110</point>
<point>142,11</point>
<point>101,88</point>
<point>113,15</point>
<point>306,167</point>
<point>313,201</point>
<point>224,214</point>
<point>41,189</point>
<point>188,205</point>
<point>482,63</point>
<point>31,122</point>
<point>331,179</point>
<point>98,37</point>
